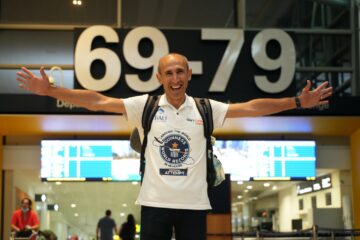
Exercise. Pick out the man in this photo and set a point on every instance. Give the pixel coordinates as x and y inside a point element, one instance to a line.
<point>106,226</point>
<point>24,220</point>
<point>173,199</point>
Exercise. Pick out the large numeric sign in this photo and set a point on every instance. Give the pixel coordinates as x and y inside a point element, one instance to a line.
<point>228,64</point>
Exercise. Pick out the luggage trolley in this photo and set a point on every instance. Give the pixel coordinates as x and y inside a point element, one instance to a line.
<point>33,236</point>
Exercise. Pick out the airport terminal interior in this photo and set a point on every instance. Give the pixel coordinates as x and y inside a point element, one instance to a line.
<point>284,173</point>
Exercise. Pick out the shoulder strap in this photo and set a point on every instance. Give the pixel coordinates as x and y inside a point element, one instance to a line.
<point>150,109</point>
<point>204,107</point>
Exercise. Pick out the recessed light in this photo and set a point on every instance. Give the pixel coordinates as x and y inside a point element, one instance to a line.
<point>73,205</point>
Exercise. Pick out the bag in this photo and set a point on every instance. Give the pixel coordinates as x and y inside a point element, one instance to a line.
<point>215,172</point>
<point>219,171</point>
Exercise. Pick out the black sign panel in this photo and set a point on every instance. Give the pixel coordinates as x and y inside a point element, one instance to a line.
<point>229,65</point>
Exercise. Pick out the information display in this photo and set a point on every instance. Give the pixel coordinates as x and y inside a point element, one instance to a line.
<point>267,160</point>
<point>115,160</point>
<point>89,160</point>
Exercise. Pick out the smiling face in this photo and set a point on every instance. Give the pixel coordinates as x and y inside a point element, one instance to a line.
<point>174,74</point>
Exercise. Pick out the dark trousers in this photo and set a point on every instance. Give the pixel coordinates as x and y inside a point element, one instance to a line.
<point>159,223</point>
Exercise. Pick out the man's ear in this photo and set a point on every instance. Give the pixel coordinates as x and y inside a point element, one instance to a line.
<point>189,74</point>
<point>158,76</point>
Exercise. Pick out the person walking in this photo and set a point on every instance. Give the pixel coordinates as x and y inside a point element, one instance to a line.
<point>24,220</point>
<point>106,227</point>
<point>128,229</point>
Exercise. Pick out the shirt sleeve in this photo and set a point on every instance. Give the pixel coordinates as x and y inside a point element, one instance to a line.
<point>219,110</point>
<point>14,219</point>
<point>134,107</point>
<point>35,219</point>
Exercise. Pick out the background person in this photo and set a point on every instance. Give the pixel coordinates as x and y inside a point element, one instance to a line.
<point>24,220</point>
<point>106,227</point>
<point>128,229</point>
<point>169,201</point>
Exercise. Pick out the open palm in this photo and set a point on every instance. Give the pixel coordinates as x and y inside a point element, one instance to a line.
<point>315,97</point>
<point>32,83</point>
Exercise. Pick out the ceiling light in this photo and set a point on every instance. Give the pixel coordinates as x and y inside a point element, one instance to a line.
<point>58,183</point>
<point>239,197</point>
<point>246,190</point>
<point>76,214</point>
<point>77,2</point>
<point>43,197</point>
<point>274,187</point>
<point>266,184</point>
<point>56,207</point>
<point>124,205</point>
<point>249,187</point>
<point>240,182</point>
<point>122,214</point>
<point>73,205</point>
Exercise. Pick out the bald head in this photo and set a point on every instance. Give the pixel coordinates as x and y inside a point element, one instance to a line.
<point>170,58</point>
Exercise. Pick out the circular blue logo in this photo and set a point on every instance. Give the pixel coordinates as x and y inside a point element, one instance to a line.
<point>175,149</point>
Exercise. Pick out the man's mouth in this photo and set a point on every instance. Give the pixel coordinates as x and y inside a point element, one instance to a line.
<point>177,87</point>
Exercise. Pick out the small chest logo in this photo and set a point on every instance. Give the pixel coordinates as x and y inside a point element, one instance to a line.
<point>160,115</point>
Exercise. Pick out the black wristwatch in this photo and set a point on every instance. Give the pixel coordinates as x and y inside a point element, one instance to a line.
<point>298,103</point>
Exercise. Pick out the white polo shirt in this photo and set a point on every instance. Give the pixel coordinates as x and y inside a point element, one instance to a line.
<point>175,169</point>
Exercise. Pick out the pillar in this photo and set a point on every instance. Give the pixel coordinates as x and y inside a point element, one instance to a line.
<point>355,166</point>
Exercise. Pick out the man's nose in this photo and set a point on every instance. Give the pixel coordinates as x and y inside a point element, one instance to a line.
<point>175,77</point>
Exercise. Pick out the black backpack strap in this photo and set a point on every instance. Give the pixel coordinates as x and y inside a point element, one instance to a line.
<point>204,107</point>
<point>150,109</point>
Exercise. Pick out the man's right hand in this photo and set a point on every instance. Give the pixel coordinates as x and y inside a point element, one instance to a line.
<point>32,83</point>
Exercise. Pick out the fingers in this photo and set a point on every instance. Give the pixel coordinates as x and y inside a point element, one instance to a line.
<point>323,102</point>
<point>42,72</point>
<point>23,86</point>
<point>325,95</point>
<point>21,80</point>
<point>322,86</point>
<point>23,75</point>
<point>28,72</point>
<point>308,86</point>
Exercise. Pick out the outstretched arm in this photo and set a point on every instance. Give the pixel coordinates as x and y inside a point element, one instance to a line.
<point>83,98</point>
<point>267,106</point>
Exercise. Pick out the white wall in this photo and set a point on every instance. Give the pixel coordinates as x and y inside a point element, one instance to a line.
<point>335,157</point>
<point>288,208</point>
